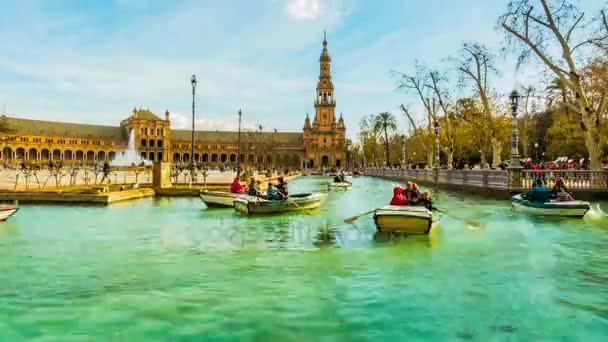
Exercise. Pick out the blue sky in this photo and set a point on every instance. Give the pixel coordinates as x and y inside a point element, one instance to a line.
<point>93,61</point>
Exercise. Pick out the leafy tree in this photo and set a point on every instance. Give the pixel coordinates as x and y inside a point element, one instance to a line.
<point>561,37</point>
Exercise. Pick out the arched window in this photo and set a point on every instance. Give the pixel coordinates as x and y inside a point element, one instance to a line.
<point>159,143</point>
<point>151,156</point>
<point>143,142</point>
<point>160,156</point>
<point>151,143</point>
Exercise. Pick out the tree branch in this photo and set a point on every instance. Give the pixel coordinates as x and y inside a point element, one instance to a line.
<point>578,20</point>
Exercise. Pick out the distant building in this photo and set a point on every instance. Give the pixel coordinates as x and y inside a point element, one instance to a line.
<point>322,143</point>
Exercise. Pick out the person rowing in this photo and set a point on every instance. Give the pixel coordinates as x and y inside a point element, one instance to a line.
<point>282,189</point>
<point>560,192</point>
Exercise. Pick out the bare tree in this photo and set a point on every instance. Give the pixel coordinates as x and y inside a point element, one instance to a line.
<point>476,66</point>
<point>425,143</point>
<point>419,84</point>
<point>560,36</point>
<point>443,96</point>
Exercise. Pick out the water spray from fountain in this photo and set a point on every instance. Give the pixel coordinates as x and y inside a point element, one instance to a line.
<point>130,156</point>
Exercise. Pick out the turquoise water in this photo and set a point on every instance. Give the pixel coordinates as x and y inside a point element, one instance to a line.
<point>163,269</point>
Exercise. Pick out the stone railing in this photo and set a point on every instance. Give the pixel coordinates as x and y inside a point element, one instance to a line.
<point>512,179</point>
<point>489,179</point>
<point>573,179</point>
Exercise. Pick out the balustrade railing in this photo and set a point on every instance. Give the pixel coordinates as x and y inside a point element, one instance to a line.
<point>573,179</point>
<point>500,179</point>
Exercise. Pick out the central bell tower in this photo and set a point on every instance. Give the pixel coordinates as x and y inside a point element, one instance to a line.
<point>324,140</point>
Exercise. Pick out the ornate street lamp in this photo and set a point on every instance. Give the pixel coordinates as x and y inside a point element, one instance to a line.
<point>436,166</point>
<point>193,82</point>
<point>536,151</point>
<point>514,139</point>
<point>238,156</point>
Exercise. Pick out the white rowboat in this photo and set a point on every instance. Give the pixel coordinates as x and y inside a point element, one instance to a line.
<point>551,208</point>
<point>404,219</point>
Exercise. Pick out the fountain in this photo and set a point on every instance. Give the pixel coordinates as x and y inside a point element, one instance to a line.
<point>130,156</point>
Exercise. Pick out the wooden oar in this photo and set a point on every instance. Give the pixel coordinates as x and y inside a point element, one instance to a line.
<point>289,199</point>
<point>354,218</point>
<point>471,222</point>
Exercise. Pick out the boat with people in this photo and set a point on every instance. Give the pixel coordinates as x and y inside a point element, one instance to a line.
<point>404,219</point>
<point>260,205</point>
<point>341,185</point>
<point>540,200</point>
<point>218,198</point>
<point>7,210</point>
<point>552,207</point>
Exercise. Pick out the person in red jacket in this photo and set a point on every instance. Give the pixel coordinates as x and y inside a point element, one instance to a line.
<point>236,187</point>
<point>398,197</point>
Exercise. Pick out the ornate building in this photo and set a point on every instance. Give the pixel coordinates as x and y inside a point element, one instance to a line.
<point>322,143</point>
<point>324,140</point>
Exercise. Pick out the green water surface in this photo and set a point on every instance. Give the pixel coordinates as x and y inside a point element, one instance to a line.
<point>163,269</point>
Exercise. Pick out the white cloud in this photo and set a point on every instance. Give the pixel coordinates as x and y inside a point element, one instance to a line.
<point>208,122</point>
<point>303,9</point>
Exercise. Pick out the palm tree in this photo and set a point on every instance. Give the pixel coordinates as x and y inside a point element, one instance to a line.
<point>385,121</point>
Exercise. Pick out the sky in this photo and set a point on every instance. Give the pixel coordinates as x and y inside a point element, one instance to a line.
<point>93,61</point>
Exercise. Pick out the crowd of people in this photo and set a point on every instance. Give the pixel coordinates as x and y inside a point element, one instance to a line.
<point>273,191</point>
<point>410,195</point>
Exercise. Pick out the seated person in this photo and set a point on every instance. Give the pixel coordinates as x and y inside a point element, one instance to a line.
<point>539,193</point>
<point>253,188</point>
<point>337,179</point>
<point>426,201</point>
<point>562,195</point>
<point>282,188</point>
<point>236,187</point>
<point>398,196</point>
<point>413,195</point>
<point>271,193</point>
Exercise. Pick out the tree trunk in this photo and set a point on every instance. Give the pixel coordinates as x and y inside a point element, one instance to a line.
<point>430,155</point>
<point>386,146</point>
<point>496,150</point>
<point>450,156</point>
<point>592,141</point>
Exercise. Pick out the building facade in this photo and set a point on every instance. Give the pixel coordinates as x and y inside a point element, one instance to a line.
<point>321,144</point>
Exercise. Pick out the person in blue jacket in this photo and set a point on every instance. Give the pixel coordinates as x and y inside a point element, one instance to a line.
<point>539,193</point>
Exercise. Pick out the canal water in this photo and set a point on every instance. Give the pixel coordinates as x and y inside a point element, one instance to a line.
<point>163,269</point>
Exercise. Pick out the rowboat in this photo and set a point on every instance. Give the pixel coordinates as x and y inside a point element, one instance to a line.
<point>256,205</point>
<point>340,185</point>
<point>551,208</point>
<point>403,219</point>
<point>7,210</point>
<point>218,198</point>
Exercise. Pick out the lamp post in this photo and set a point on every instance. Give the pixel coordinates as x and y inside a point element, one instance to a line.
<point>403,150</point>
<point>193,82</point>
<point>536,151</point>
<point>514,139</point>
<point>238,156</point>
